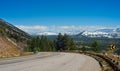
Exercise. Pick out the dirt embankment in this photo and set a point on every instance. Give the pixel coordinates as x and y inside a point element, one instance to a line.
<point>7,48</point>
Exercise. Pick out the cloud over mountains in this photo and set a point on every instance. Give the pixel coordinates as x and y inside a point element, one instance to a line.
<point>63,29</point>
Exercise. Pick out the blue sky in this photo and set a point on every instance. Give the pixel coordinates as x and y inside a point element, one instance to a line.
<point>61,12</point>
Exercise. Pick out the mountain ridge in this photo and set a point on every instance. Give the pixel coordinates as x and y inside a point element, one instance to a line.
<point>7,26</point>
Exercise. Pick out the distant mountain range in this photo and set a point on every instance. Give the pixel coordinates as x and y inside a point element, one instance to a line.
<point>107,33</point>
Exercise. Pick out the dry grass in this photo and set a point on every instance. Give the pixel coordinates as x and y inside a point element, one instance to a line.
<point>26,53</point>
<point>7,49</point>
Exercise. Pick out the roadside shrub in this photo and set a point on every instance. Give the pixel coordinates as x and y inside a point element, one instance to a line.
<point>2,32</point>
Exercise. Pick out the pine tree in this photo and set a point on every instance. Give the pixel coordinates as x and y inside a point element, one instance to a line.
<point>83,48</point>
<point>59,42</point>
<point>72,45</point>
<point>44,44</point>
<point>95,46</point>
<point>66,42</point>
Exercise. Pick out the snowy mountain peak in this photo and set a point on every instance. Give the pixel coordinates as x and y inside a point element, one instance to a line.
<point>103,33</point>
<point>107,33</point>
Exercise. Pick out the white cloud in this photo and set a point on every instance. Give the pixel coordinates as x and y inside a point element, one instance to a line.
<point>46,33</point>
<point>62,29</point>
<point>32,27</point>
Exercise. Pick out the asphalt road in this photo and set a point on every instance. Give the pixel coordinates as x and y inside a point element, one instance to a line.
<point>52,62</point>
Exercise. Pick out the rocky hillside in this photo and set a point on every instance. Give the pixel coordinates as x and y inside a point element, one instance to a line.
<point>12,39</point>
<point>13,32</point>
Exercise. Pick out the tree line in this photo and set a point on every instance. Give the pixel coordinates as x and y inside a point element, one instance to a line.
<point>42,43</point>
<point>62,42</point>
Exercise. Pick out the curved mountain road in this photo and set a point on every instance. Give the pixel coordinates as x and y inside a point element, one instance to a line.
<point>53,62</point>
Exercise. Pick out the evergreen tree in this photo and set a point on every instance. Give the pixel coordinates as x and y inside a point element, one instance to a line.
<point>95,46</point>
<point>72,45</point>
<point>83,48</point>
<point>41,44</point>
<point>44,44</point>
<point>59,42</point>
<point>66,42</point>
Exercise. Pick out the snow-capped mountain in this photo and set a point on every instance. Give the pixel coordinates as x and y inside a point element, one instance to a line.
<point>56,33</point>
<point>118,30</point>
<point>108,33</point>
<point>95,34</point>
